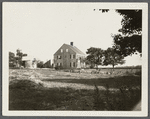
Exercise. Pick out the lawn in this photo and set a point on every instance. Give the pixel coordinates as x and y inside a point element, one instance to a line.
<point>47,89</point>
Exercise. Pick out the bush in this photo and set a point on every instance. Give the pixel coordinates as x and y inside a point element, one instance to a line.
<point>66,70</point>
<point>58,67</point>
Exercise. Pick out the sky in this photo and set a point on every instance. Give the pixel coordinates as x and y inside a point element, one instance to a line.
<point>40,29</point>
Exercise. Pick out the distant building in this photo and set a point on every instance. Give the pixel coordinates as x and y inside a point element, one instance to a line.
<point>29,62</point>
<point>47,64</point>
<point>69,56</point>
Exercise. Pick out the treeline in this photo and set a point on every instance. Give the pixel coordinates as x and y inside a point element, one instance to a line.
<point>128,42</point>
<point>97,56</point>
<point>16,60</point>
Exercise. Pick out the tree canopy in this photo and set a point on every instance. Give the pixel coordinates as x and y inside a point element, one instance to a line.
<point>130,41</point>
<point>131,22</point>
<point>19,55</point>
<point>112,58</point>
<point>128,45</point>
<point>95,55</point>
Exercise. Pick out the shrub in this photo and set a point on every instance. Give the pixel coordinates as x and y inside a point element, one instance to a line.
<point>66,70</point>
<point>58,67</point>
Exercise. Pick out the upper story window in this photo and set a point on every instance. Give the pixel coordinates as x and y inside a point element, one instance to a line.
<point>74,64</point>
<point>58,57</point>
<point>61,50</point>
<point>66,50</point>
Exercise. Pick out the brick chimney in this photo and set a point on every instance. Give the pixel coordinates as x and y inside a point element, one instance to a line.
<point>71,43</point>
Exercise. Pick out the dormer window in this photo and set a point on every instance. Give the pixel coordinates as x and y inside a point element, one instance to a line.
<point>61,50</point>
<point>66,50</point>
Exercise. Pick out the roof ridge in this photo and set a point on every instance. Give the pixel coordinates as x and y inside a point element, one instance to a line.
<point>79,50</point>
<point>74,48</point>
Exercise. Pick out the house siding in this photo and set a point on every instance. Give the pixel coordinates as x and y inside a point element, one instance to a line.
<point>65,57</point>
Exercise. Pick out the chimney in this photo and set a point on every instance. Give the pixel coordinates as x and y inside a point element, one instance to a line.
<point>71,43</point>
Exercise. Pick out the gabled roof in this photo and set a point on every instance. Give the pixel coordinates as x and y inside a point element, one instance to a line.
<point>75,49</point>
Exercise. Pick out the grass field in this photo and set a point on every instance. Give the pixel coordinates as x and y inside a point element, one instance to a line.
<point>47,89</point>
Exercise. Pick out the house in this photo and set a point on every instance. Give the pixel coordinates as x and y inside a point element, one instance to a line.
<point>29,62</point>
<point>69,56</point>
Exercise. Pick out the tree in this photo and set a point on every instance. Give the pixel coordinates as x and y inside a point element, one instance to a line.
<point>131,22</point>
<point>128,45</point>
<point>112,58</point>
<point>40,64</point>
<point>19,55</point>
<point>95,56</point>
<point>130,41</point>
<point>12,59</point>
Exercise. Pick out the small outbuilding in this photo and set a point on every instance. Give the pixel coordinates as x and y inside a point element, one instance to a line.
<point>29,62</point>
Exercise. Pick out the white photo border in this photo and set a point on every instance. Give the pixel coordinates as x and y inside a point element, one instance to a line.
<point>103,5</point>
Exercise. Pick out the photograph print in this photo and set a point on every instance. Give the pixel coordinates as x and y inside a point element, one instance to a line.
<point>75,57</point>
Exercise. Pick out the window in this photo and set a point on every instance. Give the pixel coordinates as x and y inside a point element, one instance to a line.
<point>58,57</point>
<point>70,64</point>
<point>66,50</point>
<point>74,56</point>
<point>60,64</point>
<point>74,64</point>
<point>57,64</point>
<point>61,50</point>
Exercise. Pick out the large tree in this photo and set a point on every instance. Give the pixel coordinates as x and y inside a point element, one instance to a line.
<point>95,56</point>
<point>128,45</point>
<point>112,58</point>
<point>131,22</point>
<point>130,39</point>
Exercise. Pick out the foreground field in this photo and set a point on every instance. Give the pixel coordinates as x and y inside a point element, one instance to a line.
<point>47,89</point>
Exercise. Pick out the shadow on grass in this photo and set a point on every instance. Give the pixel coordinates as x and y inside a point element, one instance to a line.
<point>115,82</point>
<point>29,95</point>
